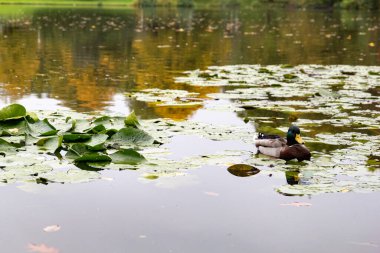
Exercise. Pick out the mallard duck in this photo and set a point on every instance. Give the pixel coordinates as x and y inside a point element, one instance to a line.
<point>290,148</point>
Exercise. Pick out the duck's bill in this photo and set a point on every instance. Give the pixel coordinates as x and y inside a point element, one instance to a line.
<point>299,139</point>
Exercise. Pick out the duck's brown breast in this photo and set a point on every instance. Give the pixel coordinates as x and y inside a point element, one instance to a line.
<point>296,151</point>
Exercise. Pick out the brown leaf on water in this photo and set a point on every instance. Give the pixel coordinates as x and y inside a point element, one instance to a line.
<point>297,204</point>
<point>52,228</point>
<point>212,194</point>
<point>41,248</point>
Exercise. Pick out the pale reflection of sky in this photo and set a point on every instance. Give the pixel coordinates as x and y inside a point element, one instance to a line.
<point>42,102</point>
<point>118,105</point>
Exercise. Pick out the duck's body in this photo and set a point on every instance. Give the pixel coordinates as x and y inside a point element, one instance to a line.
<point>290,148</point>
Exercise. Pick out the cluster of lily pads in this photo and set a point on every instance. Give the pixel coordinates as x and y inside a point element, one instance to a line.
<point>64,149</point>
<point>336,107</point>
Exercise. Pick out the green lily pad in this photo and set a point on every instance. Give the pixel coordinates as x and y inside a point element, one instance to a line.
<point>131,136</point>
<point>50,143</point>
<point>79,152</point>
<point>131,120</point>
<point>109,122</point>
<point>6,146</point>
<point>41,128</point>
<point>13,111</point>
<point>97,142</point>
<point>12,127</point>
<point>127,156</point>
<point>93,157</point>
<point>76,137</point>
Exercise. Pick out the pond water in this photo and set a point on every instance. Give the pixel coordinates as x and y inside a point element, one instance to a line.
<point>158,63</point>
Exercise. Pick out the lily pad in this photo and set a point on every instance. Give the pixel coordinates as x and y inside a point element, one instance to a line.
<point>6,146</point>
<point>50,143</point>
<point>80,153</point>
<point>131,136</point>
<point>76,137</point>
<point>127,156</point>
<point>242,170</point>
<point>131,120</point>
<point>12,127</point>
<point>97,142</point>
<point>13,111</point>
<point>41,128</point>
<point>72,176</point>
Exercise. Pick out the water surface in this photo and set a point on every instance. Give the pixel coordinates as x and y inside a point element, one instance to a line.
<point>87,60</point>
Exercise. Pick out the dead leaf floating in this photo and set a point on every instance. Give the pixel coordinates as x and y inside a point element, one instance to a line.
<point>53,228</point>
<point>212,194</point>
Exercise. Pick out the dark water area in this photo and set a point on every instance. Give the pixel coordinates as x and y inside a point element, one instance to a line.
<point>87,60</point>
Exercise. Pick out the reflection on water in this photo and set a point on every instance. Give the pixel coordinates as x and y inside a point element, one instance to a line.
<point>86,59</point>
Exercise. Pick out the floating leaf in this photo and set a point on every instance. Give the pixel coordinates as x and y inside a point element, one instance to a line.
<point>12,127</point>
<point>41,128</point>
<point>13,111</point>
<point>109,122</point>
<point>6,146</point>
<point>41,248</point>
<point>131,136</point>
<point>80,153</point>
<point>97,142</point>
<point>93,157</point>
<point>212,194</point>
<point>73,176</point>
<point>76,137</point>
<point>50,143</point>
<point>243,170</point>
<point>127,156</point>
<point>131,120</point>
<point>52,228</point>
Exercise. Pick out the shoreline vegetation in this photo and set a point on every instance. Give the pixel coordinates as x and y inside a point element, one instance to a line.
<point>320,4</point>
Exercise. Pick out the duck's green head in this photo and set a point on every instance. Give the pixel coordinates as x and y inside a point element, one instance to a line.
<point>294,136</point>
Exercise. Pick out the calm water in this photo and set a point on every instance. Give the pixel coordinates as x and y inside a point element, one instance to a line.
<point>86,60</point>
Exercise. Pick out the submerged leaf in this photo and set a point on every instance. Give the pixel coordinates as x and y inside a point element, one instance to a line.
<point>243,170</point>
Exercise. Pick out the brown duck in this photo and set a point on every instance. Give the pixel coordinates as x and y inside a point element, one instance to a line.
<point>290,148</point>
